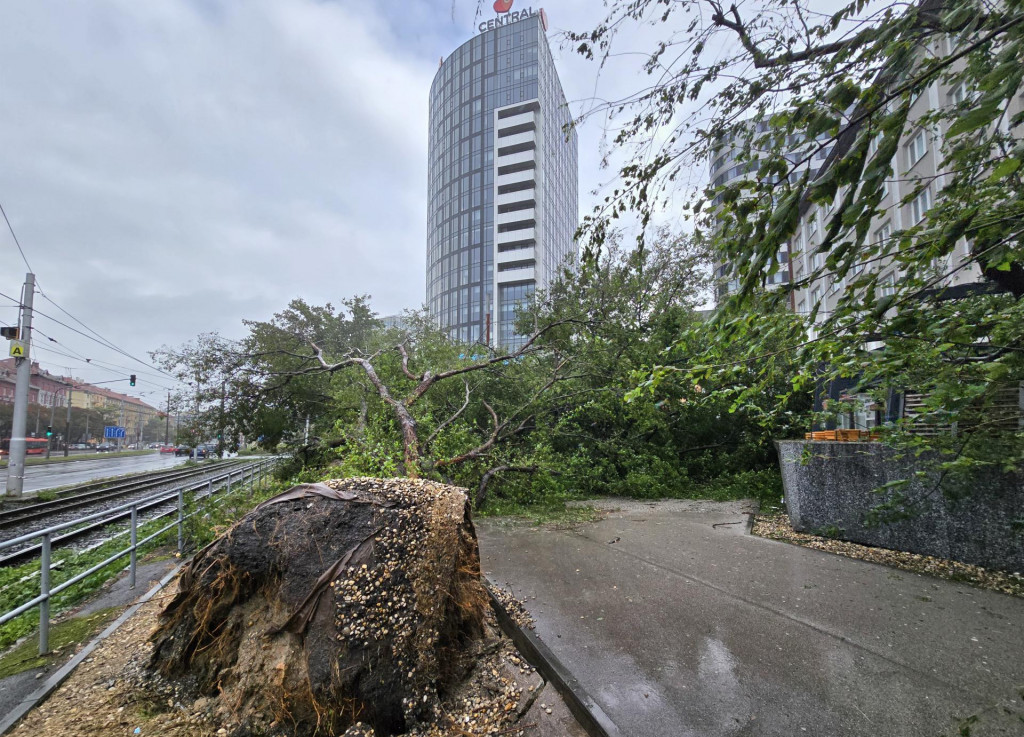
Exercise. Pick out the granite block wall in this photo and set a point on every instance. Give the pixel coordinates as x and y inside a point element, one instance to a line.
<point>831,486</point>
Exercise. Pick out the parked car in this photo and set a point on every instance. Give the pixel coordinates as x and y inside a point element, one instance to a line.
<point>183,450</point>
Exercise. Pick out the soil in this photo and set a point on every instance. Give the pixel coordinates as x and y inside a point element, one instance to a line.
<point>355,603</point>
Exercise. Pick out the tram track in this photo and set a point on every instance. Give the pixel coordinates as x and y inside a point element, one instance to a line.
<point>111,491</point>
<point>93,532</point>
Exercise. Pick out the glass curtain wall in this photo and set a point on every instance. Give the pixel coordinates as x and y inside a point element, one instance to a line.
<point>494,69</point>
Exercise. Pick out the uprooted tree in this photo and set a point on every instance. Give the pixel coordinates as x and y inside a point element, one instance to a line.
<point>331,604</point>
<point>543,421</point>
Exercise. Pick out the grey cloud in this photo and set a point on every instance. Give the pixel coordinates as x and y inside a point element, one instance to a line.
<point>173,167</point>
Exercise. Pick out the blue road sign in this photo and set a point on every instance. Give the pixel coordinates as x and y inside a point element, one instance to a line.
<point>112,432</point>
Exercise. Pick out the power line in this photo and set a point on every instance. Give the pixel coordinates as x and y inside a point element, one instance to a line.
<point>102,340</point>
<point>97,364</point>
<point>16,241</point>
<point>92,363</point>
<point>110,344</point>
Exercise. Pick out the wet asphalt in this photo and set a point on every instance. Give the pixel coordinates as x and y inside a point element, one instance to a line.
<point>53,475</point>
<point>679,628</point>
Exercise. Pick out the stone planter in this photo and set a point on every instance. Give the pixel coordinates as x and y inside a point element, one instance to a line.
<point>830,487</point>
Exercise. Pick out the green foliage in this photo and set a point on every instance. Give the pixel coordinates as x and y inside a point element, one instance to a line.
<point>559,419</point>
<point>830,531</point>
<point>765,486</point>
<point>63,634</point>
<point>775,86</point>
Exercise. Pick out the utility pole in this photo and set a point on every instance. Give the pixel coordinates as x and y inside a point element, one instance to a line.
<point>305,437</point>
<point>16,465</point>
<point>167,423</point>
<point>88,406</point>
<point>67,425</point>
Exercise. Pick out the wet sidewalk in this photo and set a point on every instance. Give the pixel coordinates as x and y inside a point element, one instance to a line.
<point>677,622</point>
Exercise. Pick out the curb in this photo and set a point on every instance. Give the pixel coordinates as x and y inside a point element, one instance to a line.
<point>590,716</point>
<point>50,685</point>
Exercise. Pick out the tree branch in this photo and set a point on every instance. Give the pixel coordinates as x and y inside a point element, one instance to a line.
<point>761,60</point>
<point>405,362</point>
<point>450,420</point>
<point>405,419</point>
<point>480,449</point>
<point>481,491</point>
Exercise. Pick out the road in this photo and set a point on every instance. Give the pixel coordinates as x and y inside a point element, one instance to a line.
<point>680,624</point>
<point>38,478</point>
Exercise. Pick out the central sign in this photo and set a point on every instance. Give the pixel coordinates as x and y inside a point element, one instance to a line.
<point>505,15</point>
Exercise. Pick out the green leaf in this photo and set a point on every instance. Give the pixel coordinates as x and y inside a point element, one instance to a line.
<point>1005,169</point>
<point>973,119</point>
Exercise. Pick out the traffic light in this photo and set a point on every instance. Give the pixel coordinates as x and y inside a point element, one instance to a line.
<point>49,431</point>
<point>10,333</point>
<point>131,380</point>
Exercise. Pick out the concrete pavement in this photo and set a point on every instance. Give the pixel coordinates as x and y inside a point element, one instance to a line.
<point>677,627</point>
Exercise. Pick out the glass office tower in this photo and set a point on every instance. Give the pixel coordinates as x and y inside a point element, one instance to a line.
<point>502,181</point>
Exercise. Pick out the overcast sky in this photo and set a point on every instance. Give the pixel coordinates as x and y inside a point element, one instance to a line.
<point>172,167</point>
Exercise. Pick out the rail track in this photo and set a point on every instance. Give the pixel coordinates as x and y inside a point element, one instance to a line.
<point>88,495</point>
<point>153,506</point>
<point>104,527</point>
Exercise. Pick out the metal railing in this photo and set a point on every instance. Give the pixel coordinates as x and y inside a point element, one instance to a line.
<point>255,473</point>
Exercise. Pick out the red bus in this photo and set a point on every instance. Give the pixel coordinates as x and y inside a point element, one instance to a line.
<point>33,446</point>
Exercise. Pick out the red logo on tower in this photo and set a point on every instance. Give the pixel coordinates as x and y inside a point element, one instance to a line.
<point>502,6</point>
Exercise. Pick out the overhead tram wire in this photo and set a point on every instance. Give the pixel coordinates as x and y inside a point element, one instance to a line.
<point>105,366</point>
<point>108,345</point>
<point>98,338</point>
<point>92,362</point>
<point>15,237</point>
<point>91,365</point>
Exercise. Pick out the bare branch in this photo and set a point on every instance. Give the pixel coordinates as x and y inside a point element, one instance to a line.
<point>480,449</point>
<point>405,419</point>
<point>761,60</point>
<point>405,362</point>
<point>450,420</point>
<point>527,348</point>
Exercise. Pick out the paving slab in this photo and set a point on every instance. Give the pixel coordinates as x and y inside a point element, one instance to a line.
<point>678,622</point>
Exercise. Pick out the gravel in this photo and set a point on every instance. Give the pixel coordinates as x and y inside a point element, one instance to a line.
<point>777,527</point>
<point>112,693</point>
